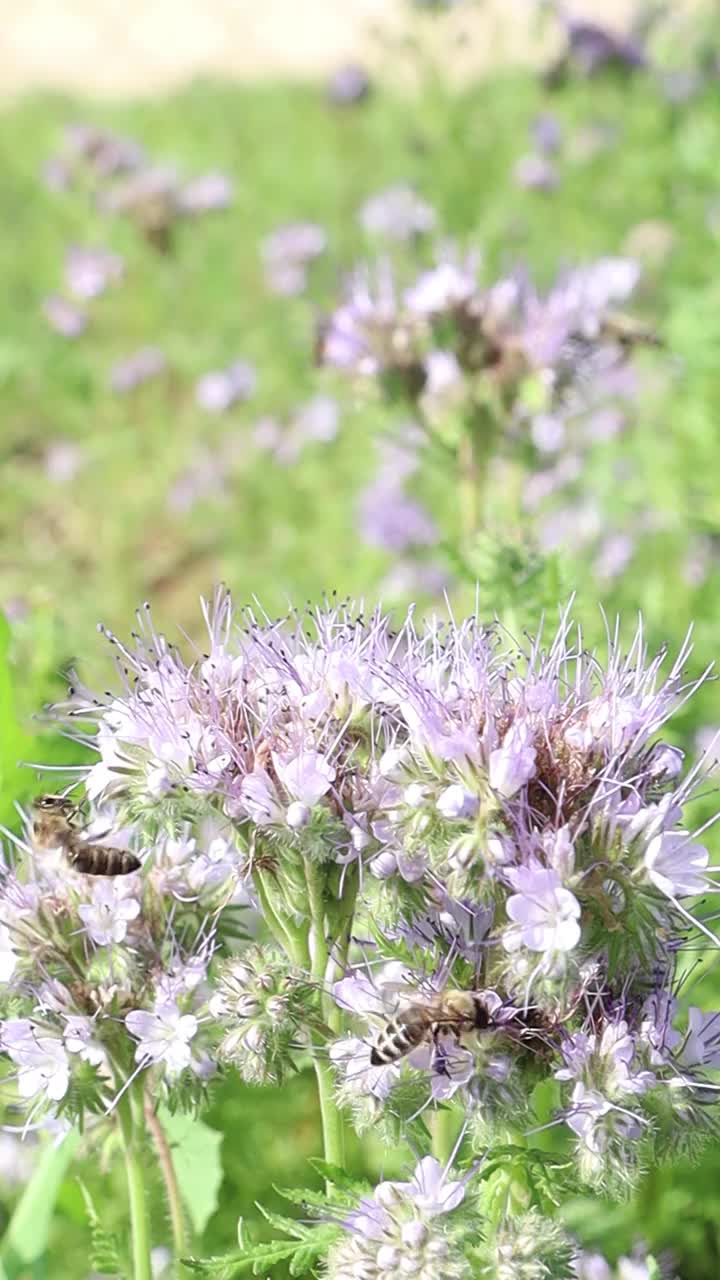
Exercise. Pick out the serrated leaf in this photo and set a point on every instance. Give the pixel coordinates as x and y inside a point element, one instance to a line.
<point>26,1237</point>
<point>195,1149</point>
<point>339,1177</point>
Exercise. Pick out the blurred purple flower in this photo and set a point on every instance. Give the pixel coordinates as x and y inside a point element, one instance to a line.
<point>88,272</point>
<point>142,366</point>
<point>287,252</point>
<point>536,173</point>
<point>65,318</point>
<point>222,388</point>
<point>317,421</point>
<point>104,152</point>
<point>397,213</point>
<point>615,553</point>
<point>591,47</point>
<point>393,521</point>
<point>348,85</point>
<point>204,194</point>
<point>546,133</point>
<point>410,578</point>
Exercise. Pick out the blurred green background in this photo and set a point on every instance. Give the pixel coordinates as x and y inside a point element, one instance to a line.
<point>109,499</point>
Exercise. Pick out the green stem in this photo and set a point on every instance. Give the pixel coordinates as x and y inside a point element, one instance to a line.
<point>332,1122</point>
<point>129,1110</point>
<point>474,450</point>
<point>172,1190</point>
<point>330,1115</point>
<point>444,1134</point>
<point>291,938</point>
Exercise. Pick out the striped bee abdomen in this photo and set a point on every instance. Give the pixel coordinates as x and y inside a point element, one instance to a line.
<point>100,860</point>
<point>399,1037</point>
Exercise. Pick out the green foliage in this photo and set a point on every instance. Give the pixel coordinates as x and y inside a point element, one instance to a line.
<point>195,1150</point>
<point>28,1232</point>
<point>105,1250</point>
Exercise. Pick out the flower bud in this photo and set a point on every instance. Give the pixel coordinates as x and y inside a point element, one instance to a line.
<point>297,815</point>
<point>414,1234</point>
<point>455,802</point>
<point>414,795</point>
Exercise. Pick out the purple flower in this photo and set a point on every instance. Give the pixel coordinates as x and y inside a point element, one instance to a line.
<point>42,1062</point>
<point>88,272</point>
<point>306,777</point>
<point>395,1231</point>
<point>163,1037</point>
<point>446,287</point>
<point>545,915</point>
<point>430,1190</point>
<point>390,519</point>
<point>536,173</point>
<point>65,318</point>
<point>701,1045</point>
<point>103,152</point>
<point>546,132</point>
<point>513,763</point>
<point>317,421</point>
<point>348,85</point>
<point>143,366</point>
<point>593,46</point>
<point>220,390</point>
<point>288,252</point>
<point>675,865</point>
<point>614,556</point>
<point>205,194</point>
<point>397,213</point>
<point>107,916</point>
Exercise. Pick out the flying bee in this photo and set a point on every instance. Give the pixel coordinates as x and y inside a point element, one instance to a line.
<point>446,1012</point>
<point>629,331</point>
<point>54,826</point>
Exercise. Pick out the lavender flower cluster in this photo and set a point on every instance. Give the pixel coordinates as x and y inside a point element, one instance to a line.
<point>447,812</point>
<point>106,978</point>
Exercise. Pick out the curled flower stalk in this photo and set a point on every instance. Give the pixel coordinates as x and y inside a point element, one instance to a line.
<point>469,871</point>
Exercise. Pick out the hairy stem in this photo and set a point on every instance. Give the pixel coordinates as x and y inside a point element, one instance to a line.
<point>330,1114</point>
<point>130,1116</point>
<point>332,1122</point>
<point>172,1191</point>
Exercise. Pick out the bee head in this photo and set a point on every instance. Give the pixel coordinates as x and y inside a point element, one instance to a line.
<point>61,805</point>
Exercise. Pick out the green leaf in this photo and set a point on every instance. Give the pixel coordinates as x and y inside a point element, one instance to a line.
<point>197,1162</point>
<point>339,1177</point>
<point>105,1251</point>
<point>26,1237</point>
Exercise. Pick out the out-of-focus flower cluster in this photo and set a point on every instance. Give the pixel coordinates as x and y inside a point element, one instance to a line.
<point>494,820</point>
<point>521,379</point>
<point>448,340</point>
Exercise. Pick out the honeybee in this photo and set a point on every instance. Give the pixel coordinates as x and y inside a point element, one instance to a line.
<point>449,1012</point>
<point>629,331</point>
<point>54,821</point>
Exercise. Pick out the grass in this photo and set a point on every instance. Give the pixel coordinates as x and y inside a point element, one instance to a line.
<point>95,546</point>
